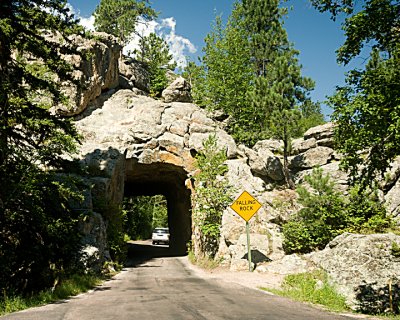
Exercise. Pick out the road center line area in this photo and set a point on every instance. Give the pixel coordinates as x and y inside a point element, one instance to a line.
<point>158,285</point>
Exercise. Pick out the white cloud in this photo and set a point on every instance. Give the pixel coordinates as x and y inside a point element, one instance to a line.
<point>180,46</point>
<point>87,23</point>
<point>143,28</point>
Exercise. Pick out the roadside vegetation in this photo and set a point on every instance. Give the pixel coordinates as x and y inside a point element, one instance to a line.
<point>72,286</point>
<point>260,89</point>
<point>311,287</point>
<point>327,213</point>
<point>211,197</point>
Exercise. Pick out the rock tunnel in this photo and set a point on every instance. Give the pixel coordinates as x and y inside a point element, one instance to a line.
<point>168,180</point>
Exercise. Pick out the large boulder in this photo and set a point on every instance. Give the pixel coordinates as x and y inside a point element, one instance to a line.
<point>314,157</point>
<point>133,74</point>
<point>264,163</point>
<point>290,264</point>
<point>95,70</point>
<point>276,146</point>
<point>322,132</point>
<point>363,268</point>
<point>178,91</point>
<point>259,246</point>
<point>300,145</point>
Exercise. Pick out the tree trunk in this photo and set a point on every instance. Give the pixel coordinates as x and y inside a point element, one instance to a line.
<point>286,172</point>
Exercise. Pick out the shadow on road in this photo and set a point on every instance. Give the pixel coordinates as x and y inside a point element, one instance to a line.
<point>140,252</point>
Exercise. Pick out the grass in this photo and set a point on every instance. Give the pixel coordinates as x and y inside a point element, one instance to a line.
<point>311,287</point>
<point>69,287</point>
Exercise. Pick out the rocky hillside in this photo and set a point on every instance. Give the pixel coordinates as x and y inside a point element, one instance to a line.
<point>134,143</point>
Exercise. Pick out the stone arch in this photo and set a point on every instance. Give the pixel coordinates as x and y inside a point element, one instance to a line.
<point>170,181</point>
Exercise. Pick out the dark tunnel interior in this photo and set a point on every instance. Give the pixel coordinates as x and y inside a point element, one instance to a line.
<point>168,180</point>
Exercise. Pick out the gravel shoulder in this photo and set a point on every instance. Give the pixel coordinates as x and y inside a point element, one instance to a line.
<point>251,280</point>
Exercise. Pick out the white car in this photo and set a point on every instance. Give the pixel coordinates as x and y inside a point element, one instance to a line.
<point>160,235</point>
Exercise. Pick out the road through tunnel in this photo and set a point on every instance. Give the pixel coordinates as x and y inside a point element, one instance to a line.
<point>168,180</point>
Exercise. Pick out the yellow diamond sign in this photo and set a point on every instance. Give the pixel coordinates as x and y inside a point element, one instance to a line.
<point>246,206</point>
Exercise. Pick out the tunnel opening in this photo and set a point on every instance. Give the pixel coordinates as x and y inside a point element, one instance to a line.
<point>168,180</point>
<point>144,214</point>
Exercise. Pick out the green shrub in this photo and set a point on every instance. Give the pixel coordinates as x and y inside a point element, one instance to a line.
<point>212,195</point>
<point>365,211</point>
<point>321,218</point>
<point>39,235</point>
<point>395,250</point>
<point>326,213</point>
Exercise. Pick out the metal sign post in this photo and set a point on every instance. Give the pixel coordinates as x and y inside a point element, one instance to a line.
<point>246,206</point>
<point>248,246</point>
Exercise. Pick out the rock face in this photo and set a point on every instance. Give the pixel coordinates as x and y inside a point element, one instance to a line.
<point>361,267</point>
<point>95,248</point>
<point>96,71</point>
<point>392,196</point>
<point>133,74</point>
<point>178,90</point>
<point>136,145</point>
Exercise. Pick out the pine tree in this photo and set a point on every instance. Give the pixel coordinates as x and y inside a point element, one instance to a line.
<point>119,17</point>
<point>195,74</point>
<point>228,72</point>
<point>280,90</point>
<point>154,52</point>
<point>33,220</point>
<point>249,58</point>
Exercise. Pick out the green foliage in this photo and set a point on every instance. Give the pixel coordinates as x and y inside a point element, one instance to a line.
<point>195,74</point>
<point>39,238</point>
<point>365,212</point>
<point>252,74</point>
<point>321,219</point>
<point>212,195</point>
<point>143,214</point>
<point>326,213</point>
<point>312,287</point>
<point>395,250</point>
<point>367,113</point>
<point>228,72</point>
<point>68,287</point>
<point>38,234</point>
<point>154,51</point>
<point>367,107</point>
<point>119,17</point>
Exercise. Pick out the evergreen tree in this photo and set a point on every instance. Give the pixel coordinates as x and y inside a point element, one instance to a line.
<point>195,74</point>
<point>154,51</point>
<point>253,75</point>
<point>229,72</point>
<point>36,240</point>
<point>280,90</point>
<point>119,17</point>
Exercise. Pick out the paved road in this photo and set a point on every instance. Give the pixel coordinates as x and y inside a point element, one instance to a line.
<point>158,286</point>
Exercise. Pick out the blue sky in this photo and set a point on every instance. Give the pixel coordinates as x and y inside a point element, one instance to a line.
<point>185,23</point>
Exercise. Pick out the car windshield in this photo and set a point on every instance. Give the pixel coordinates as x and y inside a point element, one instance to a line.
<point>161,230</point>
